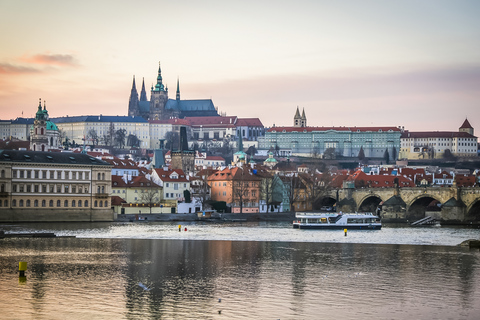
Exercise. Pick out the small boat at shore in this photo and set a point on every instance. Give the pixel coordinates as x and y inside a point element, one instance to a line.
<point>310,220</point>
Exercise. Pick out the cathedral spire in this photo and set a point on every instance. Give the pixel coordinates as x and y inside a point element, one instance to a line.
<point>178,89</point>
<point>143,93</point>
<point>133,101</point>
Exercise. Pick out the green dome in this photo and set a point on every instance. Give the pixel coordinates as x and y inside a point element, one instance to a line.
<point>51,126</point>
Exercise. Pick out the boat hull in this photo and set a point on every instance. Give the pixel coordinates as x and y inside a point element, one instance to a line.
<point>337,227</point>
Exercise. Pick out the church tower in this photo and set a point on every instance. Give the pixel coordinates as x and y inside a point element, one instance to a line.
<point>133,109</point>
<point>38,134</point>
<point>304,119</point>
<point>143,93</point>
<point>297,119</point>
<point>466,127</point>
<point>158,98</point>
<point>178,90</point>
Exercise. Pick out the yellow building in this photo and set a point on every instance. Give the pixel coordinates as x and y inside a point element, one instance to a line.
<point>438,144</point>
<point>53,186</point>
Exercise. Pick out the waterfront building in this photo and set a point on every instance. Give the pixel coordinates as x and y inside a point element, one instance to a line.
<point>238,187</point>
<point>53,186</point>
<point>174,183</point>
<point>160,107</point>
<point>439,144</point>
<point>139,195</point>
<point>376,142</point>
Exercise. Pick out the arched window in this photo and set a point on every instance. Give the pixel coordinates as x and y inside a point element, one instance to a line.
<point>44,203</point>
<point>14,203</point>
<point>103,189</point>
<point>3,173</point>
<point>101,203</point>
<point>43,147</point>
<point>65,203</point>
<point>98,176</point>
<point>79,203</point>
<point>20,203</point>
<point>41,130</point>
<point>58,203</point>
<point>2,188</point>
<point>103,176</point>
<point>50,203</point>
<point>73,203</point>
<point>95,203</point>
<point>28,203</point>
<point>86,203</point>
<point>106,203</point>
<point>35,203</point>
<point>5,203</point>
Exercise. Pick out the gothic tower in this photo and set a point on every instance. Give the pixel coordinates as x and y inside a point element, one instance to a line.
<point>178,90</point>
<point>143,93</point>
<point>133,109</point>
<point>158,98</point>
<point>304,119</point>
<point>297,119</point>
<point>38,134</point>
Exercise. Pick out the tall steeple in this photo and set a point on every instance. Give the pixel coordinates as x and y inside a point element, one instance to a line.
<point>159,86</point>
<point>133,101</point>
<point>143,93</point>
<point>178,90</point>
<point>304,119</point>
<point>297,119</point>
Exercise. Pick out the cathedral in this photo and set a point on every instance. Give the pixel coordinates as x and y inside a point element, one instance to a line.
<point>160,107</point>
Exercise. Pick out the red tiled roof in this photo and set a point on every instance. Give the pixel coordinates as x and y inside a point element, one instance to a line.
<point>361,179</point>
<point>216,158</point>
<point>164,175</point>
<point>211,121</point>
<point>249,122</point>
<point>348,129</point>
<point>117,201</point>
<point>136,182</point>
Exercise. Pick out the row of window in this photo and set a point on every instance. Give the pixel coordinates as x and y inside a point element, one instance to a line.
<point>50,174</point>
<point>51,188</point>
<point>43,203</point>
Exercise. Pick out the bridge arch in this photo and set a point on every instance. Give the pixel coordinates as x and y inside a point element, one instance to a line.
<point>421,204</point>
<point>473,211</point>
<point>369,203</point>
<point>326,201</point>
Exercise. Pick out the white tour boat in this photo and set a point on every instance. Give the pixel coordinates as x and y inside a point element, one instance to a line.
<point>310,220</point>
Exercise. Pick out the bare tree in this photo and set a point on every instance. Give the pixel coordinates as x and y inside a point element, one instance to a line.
<point>120,137</point>
<point>92,135</point>
<point>172,140</point>
<point>109,136</point>
<point>149,196</point>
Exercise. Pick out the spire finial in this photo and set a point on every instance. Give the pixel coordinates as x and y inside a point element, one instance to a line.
<point>44,105</point>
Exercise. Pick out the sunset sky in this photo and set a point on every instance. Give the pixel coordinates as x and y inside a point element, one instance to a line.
<point>366,63</point>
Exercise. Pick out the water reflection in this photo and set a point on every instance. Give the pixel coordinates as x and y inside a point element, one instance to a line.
<point>99,278</point>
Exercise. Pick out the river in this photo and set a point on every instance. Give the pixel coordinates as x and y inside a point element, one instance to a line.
<point>238,271</point>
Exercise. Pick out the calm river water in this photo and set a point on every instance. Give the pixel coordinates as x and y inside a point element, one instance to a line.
<point>238,271</point>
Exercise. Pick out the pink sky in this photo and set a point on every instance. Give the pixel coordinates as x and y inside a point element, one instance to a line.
<point>347,63</point>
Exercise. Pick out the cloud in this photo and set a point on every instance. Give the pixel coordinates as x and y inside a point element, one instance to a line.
<point>60,60</point>
<point>7,68</point>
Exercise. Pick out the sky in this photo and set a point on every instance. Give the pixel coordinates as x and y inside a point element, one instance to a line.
<point>405,63</point>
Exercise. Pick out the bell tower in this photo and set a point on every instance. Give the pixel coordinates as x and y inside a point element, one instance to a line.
<point>158,98</point>
<point>38,133</point>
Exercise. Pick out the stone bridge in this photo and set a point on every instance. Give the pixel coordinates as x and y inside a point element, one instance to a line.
<point>453,205</point>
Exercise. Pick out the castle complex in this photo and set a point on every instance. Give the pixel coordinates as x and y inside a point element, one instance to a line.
<point>160,107</point>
